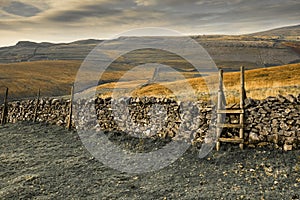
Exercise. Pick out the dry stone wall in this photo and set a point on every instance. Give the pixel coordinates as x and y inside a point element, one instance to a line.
<point>274,121</point>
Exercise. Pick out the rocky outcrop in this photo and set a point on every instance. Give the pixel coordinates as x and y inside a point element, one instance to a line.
<point>273,121</point>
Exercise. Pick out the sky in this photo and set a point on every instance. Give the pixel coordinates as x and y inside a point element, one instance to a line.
<point>71,20</point>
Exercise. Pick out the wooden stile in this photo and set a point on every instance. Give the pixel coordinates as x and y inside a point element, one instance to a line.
<point>221,111</point>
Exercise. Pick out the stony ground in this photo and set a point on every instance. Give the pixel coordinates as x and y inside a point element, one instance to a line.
<point>39,161</point>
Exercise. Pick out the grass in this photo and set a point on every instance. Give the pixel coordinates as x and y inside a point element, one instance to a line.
<point>259,83</point>
<point>55,78</point>
<point>25,78</point>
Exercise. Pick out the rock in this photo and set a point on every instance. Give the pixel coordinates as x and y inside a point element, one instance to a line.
<point>281,98</point>
<point>253,138</point>
<point>273,138</point>
<point>287,147</point>
<point>290,140</point>
<point>291,98</point>
<point>262,144</point>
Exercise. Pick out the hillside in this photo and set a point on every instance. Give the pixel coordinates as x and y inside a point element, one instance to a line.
<point>55,78</point>
<point>283,31</point>
<point>260,83</point>
<point>31,51</point>
<point>24,79</point>
<point>229,52</point>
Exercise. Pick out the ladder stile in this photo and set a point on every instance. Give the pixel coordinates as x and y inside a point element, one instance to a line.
<point>221,110</point>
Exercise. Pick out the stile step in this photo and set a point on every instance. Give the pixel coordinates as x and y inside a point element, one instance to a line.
<point>230,125</point>
<point>230,111</point>
<point>232,140</point>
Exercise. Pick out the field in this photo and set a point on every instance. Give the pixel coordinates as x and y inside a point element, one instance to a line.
<point>55,78</point>
<point>24,79</point>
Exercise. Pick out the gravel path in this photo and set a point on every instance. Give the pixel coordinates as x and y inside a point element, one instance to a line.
<point>39,161</point>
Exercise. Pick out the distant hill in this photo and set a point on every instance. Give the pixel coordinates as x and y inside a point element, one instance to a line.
<point>264,49</point>
<point>284,32</point>
<point>31,51</point>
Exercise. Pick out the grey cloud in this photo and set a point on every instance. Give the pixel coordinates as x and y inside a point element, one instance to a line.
<point>77,15</point>
<point>103,18</point>
<point>191,12</point>
<point>21,9</point>
<point>99,10</point>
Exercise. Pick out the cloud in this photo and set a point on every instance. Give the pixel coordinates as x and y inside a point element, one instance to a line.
<point>75,19</point>
<point>145,2</point>
<point>21,9</point>
<point>78,14</point>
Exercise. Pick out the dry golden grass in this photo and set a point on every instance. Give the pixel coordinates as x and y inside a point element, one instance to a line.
<point>25,78</point>
<point>56,77</point>
<point>260,83</point>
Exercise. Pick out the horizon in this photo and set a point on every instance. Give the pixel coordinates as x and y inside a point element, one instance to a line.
<point>188,35</point>
<point>73,20</point>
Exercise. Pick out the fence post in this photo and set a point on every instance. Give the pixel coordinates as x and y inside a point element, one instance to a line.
<point>243,96</point>
<point>220,106</point>
<point>69,124</point>
<point>5,109</point>
<point>37,106</point>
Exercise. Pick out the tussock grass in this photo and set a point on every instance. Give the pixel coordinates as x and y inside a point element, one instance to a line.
<point>56,77</point>
<point>25,78</point>
<point>259,84</point>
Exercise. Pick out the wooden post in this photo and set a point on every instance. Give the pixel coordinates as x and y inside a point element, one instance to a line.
<point>5,109</point>
<point>220,106</point>
<point>69,125</point>
<point>37,106</point>
<point>243,95</point>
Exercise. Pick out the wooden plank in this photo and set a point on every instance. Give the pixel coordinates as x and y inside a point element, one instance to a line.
<point>232,140</point>
<point>232,106</point>
<point>69,124</point>
<point>37,105</point>
<point>230,125</point>
<point>230,111</point>
<point>5,109</point>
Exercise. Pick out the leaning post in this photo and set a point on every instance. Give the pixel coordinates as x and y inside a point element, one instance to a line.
<point>220,106</point>
<point>37,106</point>
<point>69,124</point>
<point>5,109</point>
